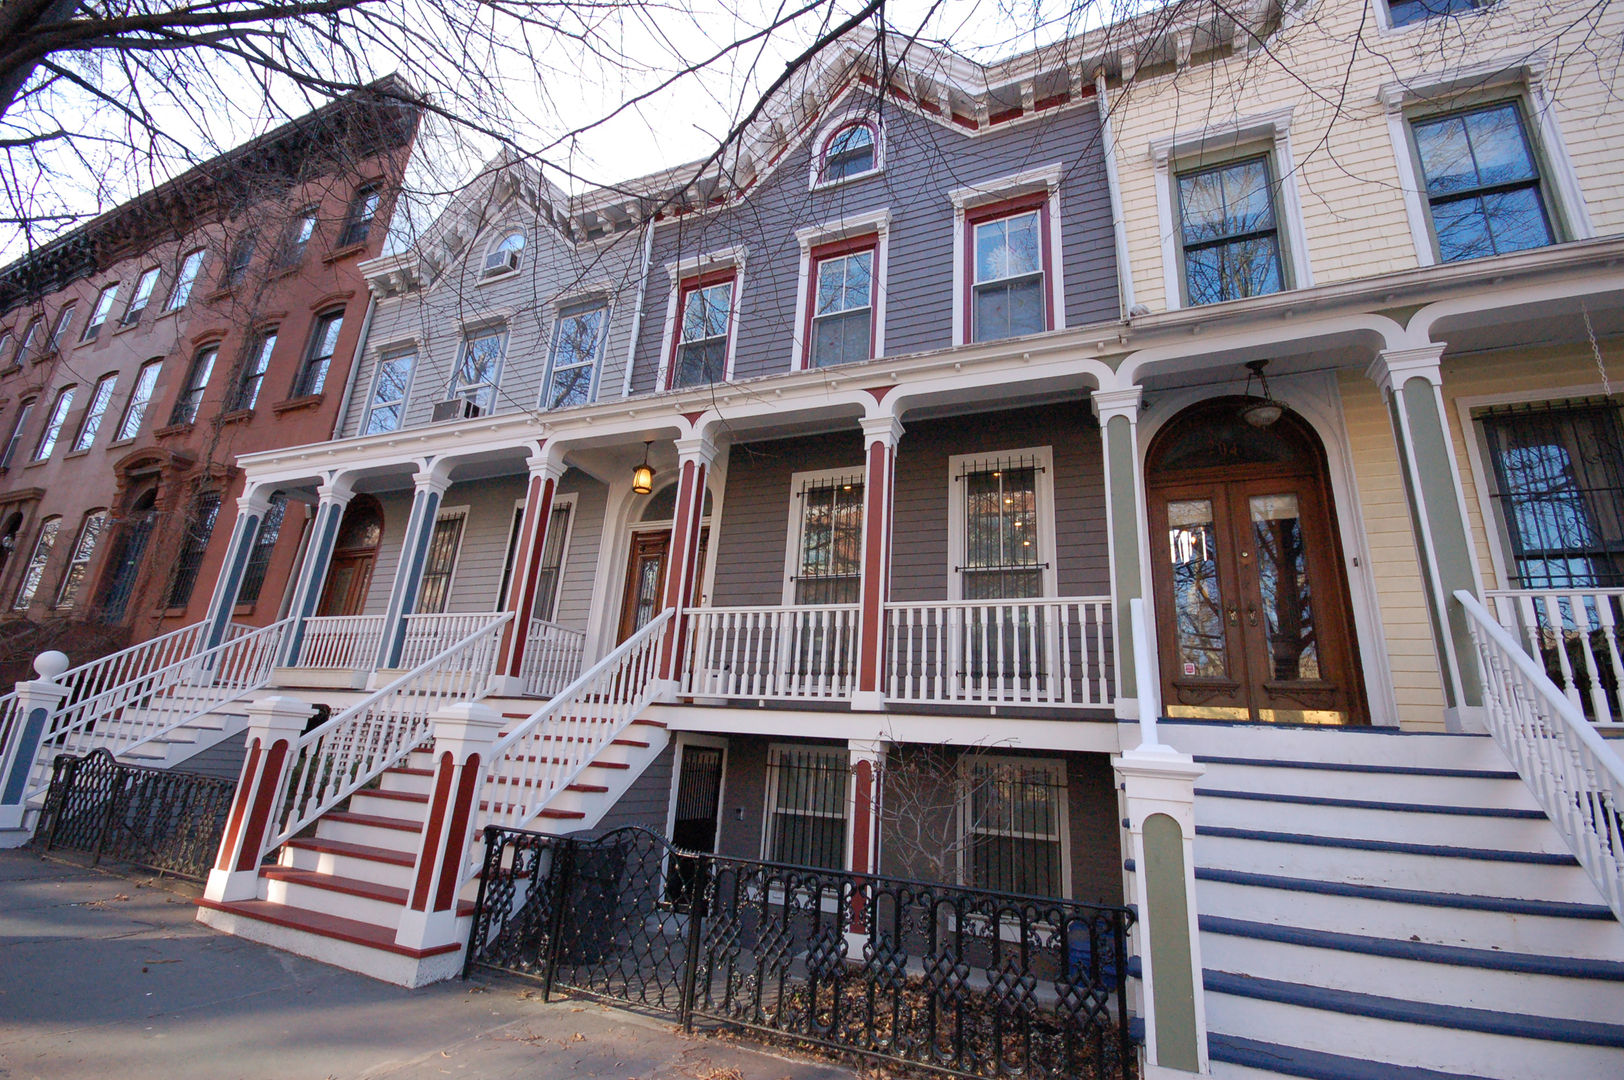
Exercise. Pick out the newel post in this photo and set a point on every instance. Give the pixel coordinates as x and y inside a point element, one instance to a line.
<point>37,701</point>
<point>463,736</point>
<point>274,726</point>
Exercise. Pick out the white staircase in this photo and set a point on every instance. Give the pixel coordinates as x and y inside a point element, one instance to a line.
<point>1375,904</point>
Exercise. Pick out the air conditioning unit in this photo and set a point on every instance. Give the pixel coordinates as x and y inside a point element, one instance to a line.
<point>500,262</point>
<point>455,409</point>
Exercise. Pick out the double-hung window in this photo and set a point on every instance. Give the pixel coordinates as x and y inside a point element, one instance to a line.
<point>197,381</point>
<point>1012,817</point>
<point>807,788</point>
<point>35,571</point>
<point>828,556</point>
<point>242,256</point>
<point>5,349</point>
<point>1009,294</point>
<point>551,569</point>
<point>435,590</point>
<point>54,425</point>
<point>1229,231</point>
<point>30,343</point>
<point>577,341</point>
<point>850,152</point>
<point>319,357</point>
<point>298,235</point>
<point>387,406</point>
<point>16,439</point>
<point>184,280</point>
<point>99,313</point>
<point>252,376</point>
<point>842,308</point>
<point>1482,178</point>
<point>358,222</point>
<point>100,398</point>
<point>84,549</point>
<point>64,320</point>
<point>143,296</point>
<point>480,371</point>
<point>704,329</point>
<point>135,410</point>
<point>259,557</point>
<point>199,530</point>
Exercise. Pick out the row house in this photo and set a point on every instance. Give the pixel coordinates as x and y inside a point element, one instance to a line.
<point>146,350</point>
<point>1144,471</point>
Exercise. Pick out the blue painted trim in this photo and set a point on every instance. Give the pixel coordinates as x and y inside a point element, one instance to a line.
<point>229,583</point>
<point>23,763</point>
<point>1538,858</point>
<point>312,576</point>
<point>1372,804</point>
<point>1332,766</point>
<point>1556,909</point>
<point>1313,1064</point>
<point>1423,952</point>
<point>408,576</point>
<point>1453,1017</point>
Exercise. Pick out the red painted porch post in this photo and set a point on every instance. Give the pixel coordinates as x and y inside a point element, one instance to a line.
<point>863,849</point>
<point>880,437</point>
<point>546,469</point>
<point>694,459</point>
<point>274,726</point>
<point>463,736</point>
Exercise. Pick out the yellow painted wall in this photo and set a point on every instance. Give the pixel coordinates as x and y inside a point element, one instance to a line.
<point>1327,68</point>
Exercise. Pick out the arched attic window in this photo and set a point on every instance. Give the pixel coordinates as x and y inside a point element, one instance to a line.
<point>851,151</point>
<point>503,256</point>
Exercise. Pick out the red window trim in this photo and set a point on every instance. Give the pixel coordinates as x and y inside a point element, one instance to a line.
<point>834,249</point>
<point>685,287</point>
<point>823,149</point>
<point>980,215</point>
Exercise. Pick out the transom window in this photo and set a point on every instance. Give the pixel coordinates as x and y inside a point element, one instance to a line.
<point>182,292</point>
<point>577,339</point>
<point>850,152</point>
<point>323,344</point>
<point>53,426</point>
<point>199,530</point>
<point>99,313</point>
<point>1229,232</point>
<point>1008,292</point>
<point>829,551</point>
<point>481,367</point>
<point>701,350</point>
<point>1012,815</point>
<point>1559,491</point>
<point>435,590</point>
<point>806,806</point>
<point>1003,555</point>
<point>84,549</point>
<point>197,381</point>
<point>44,544</point>
<point>135,410</point>
<point>389,385</point>
<point>143,295</point>
<point>1483,183</point>
<point>843,307</point>
<point>253,370</point>
<point>100,398</point>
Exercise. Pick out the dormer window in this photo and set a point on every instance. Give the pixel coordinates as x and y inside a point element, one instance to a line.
<point>851,151</point>
<point>504,257</point>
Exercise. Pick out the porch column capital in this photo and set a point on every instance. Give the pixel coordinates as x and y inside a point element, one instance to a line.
<point>1124,402</point>
<point>434,480</point>
<point>700,449</point>
<point>886,430</point>
<point>547,463</point>
<point>337,490</point>
<point>255,499</point>
<point>1395,367</point>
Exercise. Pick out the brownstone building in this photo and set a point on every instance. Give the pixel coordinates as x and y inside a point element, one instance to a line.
<point>140,354</point>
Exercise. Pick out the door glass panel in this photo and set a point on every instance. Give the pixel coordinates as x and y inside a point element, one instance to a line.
<point>648,590</point>
<point>1288,602</point>
<point>1197,600</point>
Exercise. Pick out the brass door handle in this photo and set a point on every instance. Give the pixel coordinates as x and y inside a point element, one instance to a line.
<point>1234,619</point>
<point>1251,615</point>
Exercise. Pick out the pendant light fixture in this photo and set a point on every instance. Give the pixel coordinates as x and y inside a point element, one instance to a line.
<point>643,475</point>
<point>1260,414</point>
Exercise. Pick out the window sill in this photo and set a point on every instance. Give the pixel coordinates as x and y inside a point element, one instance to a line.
<point>242,609</point>
<point>77,453</point>
<point>173,612</point>
<point>308,401</point>
<point>124,327</point>
<point>235,416</point>
<point>36,463</point>
<point>42,358</point>
<point>9,371</point>
<point>338,254</point>
<point>825,185</point>
<point>283,271</point>
<point>491,279</point>
<point>224,292</point>
<point>116,443</point>
<point>82,342</point>
<point>170,314</point>
<point>171,430</point>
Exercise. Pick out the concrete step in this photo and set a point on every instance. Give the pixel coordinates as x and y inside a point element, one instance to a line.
<point>1399,784</point>
<point>1345,745</point>
<point>1411,822</point>
<point>392,832</point>
<point>346,860</point>
<point>351,898</point>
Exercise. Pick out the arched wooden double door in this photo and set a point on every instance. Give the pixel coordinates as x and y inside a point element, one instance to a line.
<point>1251,601</point>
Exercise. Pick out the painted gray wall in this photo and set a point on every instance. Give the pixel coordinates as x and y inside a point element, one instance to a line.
<point>647,801</point>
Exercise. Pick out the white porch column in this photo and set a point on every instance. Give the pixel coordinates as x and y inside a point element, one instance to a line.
<point>430,484</point>
<point>251,508</point>
<point>694,459</point>
<point>546,469</point>
<point>1411,382</point>
<point>332,498</point>
<point>880,437</point>
<point>1118,412</point>
<point>37,700</point>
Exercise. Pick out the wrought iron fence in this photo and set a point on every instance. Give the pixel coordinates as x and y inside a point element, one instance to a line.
<point>961,981</point>
<point>160,819</point>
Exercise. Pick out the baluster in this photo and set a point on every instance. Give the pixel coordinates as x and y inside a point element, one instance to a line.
<point>1553,615</point>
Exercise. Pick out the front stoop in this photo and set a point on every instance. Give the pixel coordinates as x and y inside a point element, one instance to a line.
<point>347,943</point>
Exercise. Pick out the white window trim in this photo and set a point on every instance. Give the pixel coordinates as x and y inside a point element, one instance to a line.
<point>878,222</point>
<point>1520,78</point>
<point>710,742</point>
<point>775,752</point>
<point>683,270</point>
<point>444,513</point>
<point>372,385</point>
<point>1272,133</point>
<point>1384,18</point>
<point>603,294</point>
<point>1056,768</point>
<point>1044,456</point>
<point>1043,178</point>
<point>797,519</point>
<point>560,499</point>
<point>499,235</point>
<point>505,331</point>
<point>868,118</point>
<point>73,555</point>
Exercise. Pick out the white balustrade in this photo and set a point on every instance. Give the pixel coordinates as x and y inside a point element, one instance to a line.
<point>333,761</point>
<point>545,752</point>
<point>552,657</point>
<point>427,635</point>
<point>1053,651</point>
<point>1577,778</point>
<point>341,641</point>
<point>788,653</point>
<point>1575,635</point>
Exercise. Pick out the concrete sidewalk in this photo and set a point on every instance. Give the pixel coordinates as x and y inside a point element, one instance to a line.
<point>104,976</point>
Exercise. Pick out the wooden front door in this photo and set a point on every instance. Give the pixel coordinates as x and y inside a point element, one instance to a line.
<point>348,579</point>
<point>645,579</point>
<point>1251,604</point>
